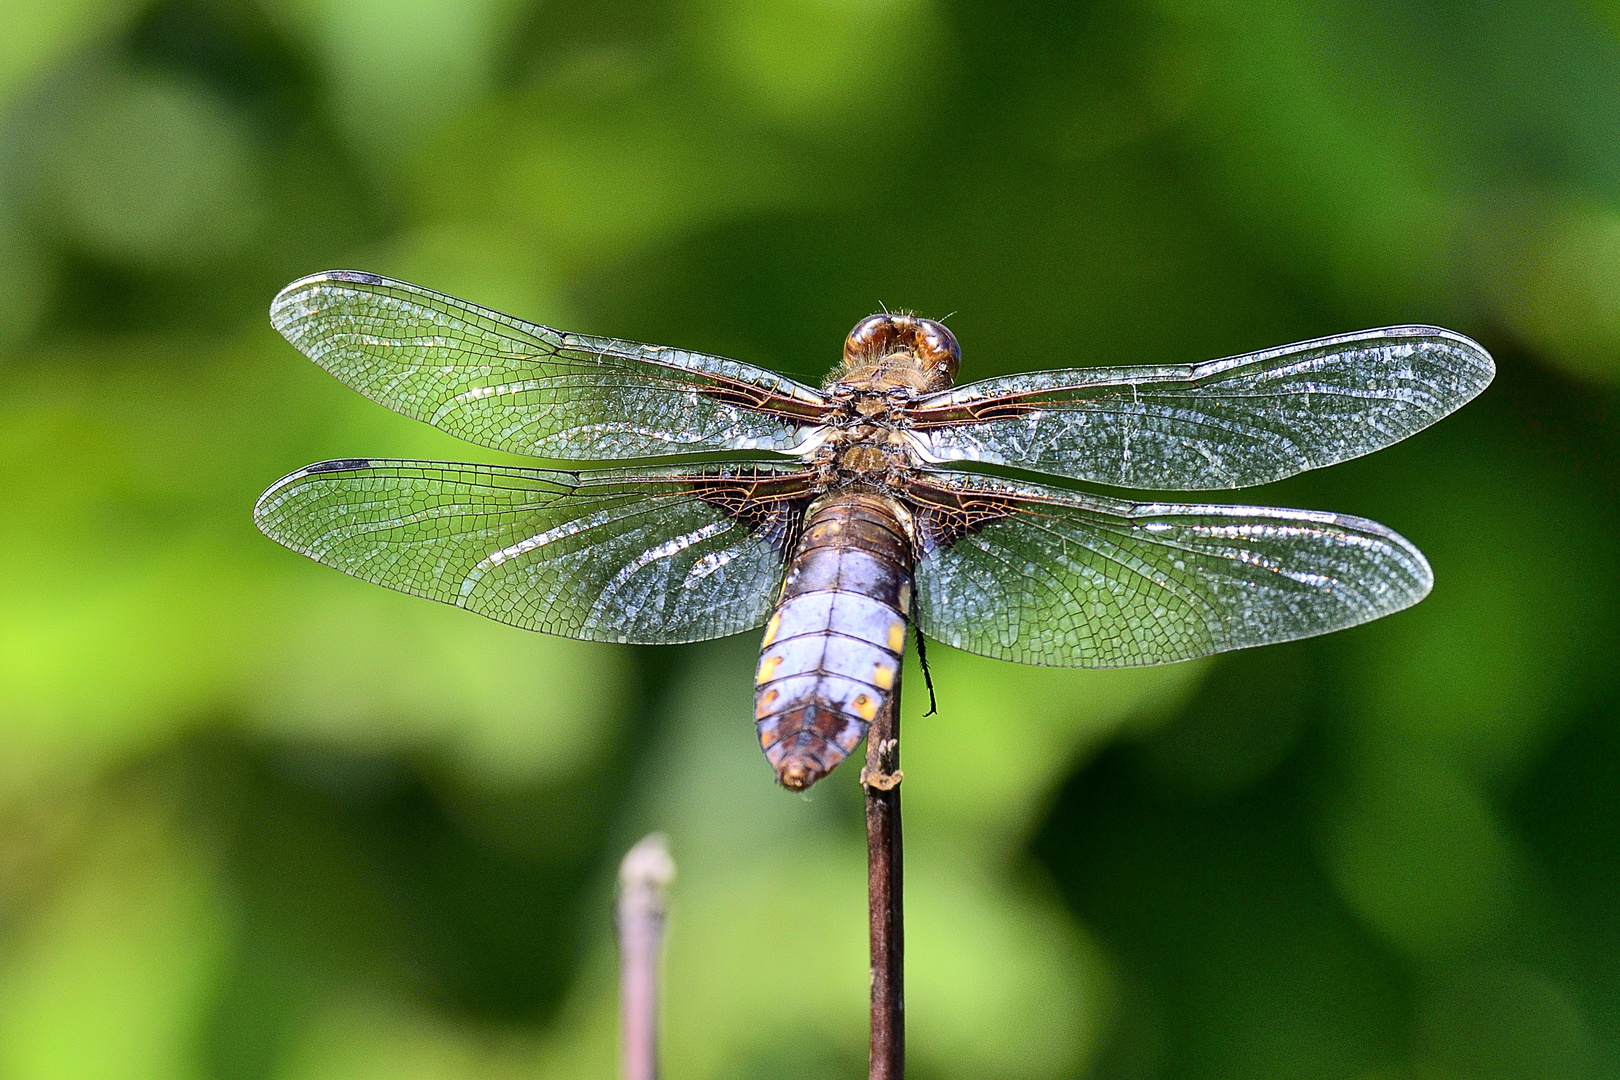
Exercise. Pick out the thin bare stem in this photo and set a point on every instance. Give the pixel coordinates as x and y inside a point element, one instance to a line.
<point>644,875</point>
<point>885,901</point>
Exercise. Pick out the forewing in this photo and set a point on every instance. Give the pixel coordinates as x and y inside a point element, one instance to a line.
<point>517,386</point>
<point>1222,424</point>
<point>1045,576</point>
<point>628,556</point>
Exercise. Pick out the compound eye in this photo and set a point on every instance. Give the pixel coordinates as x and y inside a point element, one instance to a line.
<point>937,347</point>
<point>875,335</point>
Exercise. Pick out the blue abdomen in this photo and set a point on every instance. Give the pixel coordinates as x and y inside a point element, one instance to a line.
<point>833,647</point>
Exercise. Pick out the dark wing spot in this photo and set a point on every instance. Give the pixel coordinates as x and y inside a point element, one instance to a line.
<point>348,464</point>
<point>358,276</point>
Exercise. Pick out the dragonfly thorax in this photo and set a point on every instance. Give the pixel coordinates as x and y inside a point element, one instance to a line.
<point>867,451</point>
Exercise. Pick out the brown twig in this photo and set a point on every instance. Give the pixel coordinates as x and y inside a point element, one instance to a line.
<point>881,781</point>
<point>644,875</point>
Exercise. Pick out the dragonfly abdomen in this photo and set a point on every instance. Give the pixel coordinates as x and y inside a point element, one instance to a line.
<point>832,649</point>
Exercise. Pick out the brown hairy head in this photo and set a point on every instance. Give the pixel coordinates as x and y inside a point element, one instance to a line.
<point>896,341</point>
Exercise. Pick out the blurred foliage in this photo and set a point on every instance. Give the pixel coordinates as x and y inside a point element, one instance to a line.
<point>260,821</point>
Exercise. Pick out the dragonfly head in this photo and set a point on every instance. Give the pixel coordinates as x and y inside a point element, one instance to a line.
<point>905,349</point>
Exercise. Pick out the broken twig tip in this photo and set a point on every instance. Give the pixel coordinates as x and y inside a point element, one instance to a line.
<point>644,876</point>
<point>648,865</point>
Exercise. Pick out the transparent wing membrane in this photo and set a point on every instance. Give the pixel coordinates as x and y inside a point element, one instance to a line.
<point>516,386</point>
<point>1019,571</point>
<point>1222,424</point>
<point>627,556</point>
<point>1040,575</point>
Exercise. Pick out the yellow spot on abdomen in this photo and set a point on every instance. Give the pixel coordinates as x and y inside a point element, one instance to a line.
<point>897,637</point>
<point>766,666</point>
<point>825,531</point>
<point>771,628</point>
<point>883,676</point>
<point>762,708</point>
<point>865,707</point>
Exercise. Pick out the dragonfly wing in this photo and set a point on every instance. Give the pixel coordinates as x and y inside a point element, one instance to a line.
<point>517,386</point>
<point>1222,424</point>
<point>1041,575</point>
<point>627,556</point>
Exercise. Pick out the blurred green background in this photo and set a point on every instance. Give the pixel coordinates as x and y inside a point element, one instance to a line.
<point>259,821</point>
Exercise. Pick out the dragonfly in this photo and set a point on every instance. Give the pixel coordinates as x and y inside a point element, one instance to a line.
<point>839,517</point>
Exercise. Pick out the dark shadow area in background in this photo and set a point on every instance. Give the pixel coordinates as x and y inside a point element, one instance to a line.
<point>1191,853</point>
<point>320,204</point>
<point>367,871</point>
<point>387,873</point>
